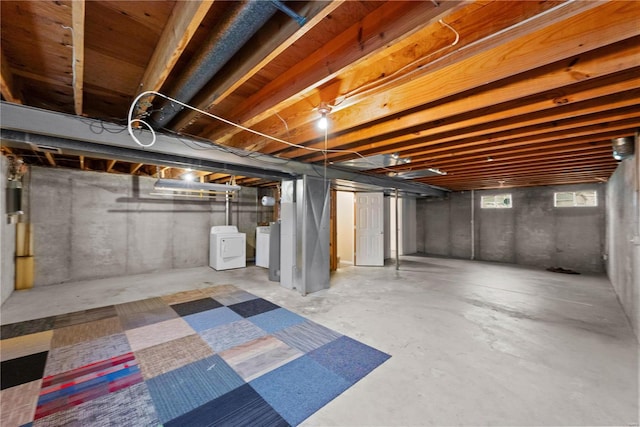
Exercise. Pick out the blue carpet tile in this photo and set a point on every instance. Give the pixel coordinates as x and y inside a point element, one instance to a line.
<point>240,407</point>
<point>223,357</point>
<point>299,388</point>
<point>276,320</point>
<point>211,318</point>
<point>349,358</point>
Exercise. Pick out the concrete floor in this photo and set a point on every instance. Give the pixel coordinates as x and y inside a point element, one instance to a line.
<point>472,343</point>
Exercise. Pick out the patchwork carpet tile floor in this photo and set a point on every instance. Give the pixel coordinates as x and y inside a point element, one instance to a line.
<point>207,357</point>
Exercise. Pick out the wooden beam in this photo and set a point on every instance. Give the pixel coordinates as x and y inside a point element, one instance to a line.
<point>77,16</point>
<point>259,58</point>
<point>380,30</point>
<point>541,84</point>
<point>81,159</point>
<point>549,140</point>
<point>50,158</point>
<point>110,165</point>
<point>185,18</point>
<point>530,154</point>
<point>625,117</point>
<point>134,167</point>
<point>443,160</point>
<point>528,46</point>
<point>7,87</point>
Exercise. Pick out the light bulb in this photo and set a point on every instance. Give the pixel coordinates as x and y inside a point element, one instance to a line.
<point>189,177</point>
<point>323,123</point>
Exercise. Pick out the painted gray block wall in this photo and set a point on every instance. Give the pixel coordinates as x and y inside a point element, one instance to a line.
<point>7,240</point>
<point>90,225</point>
<point>448,225</point>
<point>623,240</point>
<point>532,233</point>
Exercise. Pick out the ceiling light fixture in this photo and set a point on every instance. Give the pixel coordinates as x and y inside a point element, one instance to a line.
<point>189,177</point>
<point>323,109</point>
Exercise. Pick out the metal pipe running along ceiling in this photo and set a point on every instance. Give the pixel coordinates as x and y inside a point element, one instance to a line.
<point>237,27</point>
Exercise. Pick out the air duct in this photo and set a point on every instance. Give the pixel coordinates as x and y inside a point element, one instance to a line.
<point>237,28</point>
<point>622,147</point>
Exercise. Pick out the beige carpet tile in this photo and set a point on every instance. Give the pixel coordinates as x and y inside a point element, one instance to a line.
<point>84,316</point>
<point>214,291</point>
<point>18,404</point>
<point>25,345</point>
<point>259,356</point>
<point>71,357</point>
<point>184,296</point>
<point>85,332</point>
<point>143,318</point>
<point>236,297</point>
<point>140,306</point>
<point>165,357</point>
<point>158,333</point>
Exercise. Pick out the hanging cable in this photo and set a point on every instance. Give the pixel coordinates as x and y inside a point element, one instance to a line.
<point>131,121</point>
<point>393,77</point>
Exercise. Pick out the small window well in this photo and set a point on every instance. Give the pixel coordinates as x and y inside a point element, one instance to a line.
<point>570,199</point>
<point>498,201</point>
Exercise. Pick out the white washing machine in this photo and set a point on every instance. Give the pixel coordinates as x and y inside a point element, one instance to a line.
<point>227,248</point>
<point>262,246</point>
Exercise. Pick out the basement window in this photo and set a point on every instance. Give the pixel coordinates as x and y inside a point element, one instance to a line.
<point>498,201</point>
<point>570,199</point>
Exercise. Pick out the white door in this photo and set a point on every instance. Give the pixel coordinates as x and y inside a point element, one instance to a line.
<point>369,229</point>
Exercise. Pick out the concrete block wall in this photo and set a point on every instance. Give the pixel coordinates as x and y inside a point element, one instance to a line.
<point>623,237</point>
<point>7,240</point>
<point>90,225</point>
<point>532,233</point>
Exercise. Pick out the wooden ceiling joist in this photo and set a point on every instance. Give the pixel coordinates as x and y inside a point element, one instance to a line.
<point>260,57</point>
<point>78,14</point>
<point>514,95</point>
<point>380,28</point>
<point>496,93</point>
<point>528,46</point>
<point>7,88</point>
<point>183,22</point>
<point>50,158</point>
<point>110,165</point>
<point>135,167</point>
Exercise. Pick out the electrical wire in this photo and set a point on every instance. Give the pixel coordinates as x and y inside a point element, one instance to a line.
<point>73,55</point>
<point>393,77</point>
<point>131,121</point>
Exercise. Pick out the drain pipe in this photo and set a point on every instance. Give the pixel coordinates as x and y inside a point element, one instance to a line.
<point>237,28</point>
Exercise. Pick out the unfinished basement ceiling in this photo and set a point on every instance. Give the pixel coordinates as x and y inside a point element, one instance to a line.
<point>490,93</point>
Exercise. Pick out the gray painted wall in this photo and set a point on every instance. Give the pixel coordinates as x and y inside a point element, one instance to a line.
<point>90,225</point>
<point>533,232</point>
<point>7,240</point>
<point>623,240</point>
